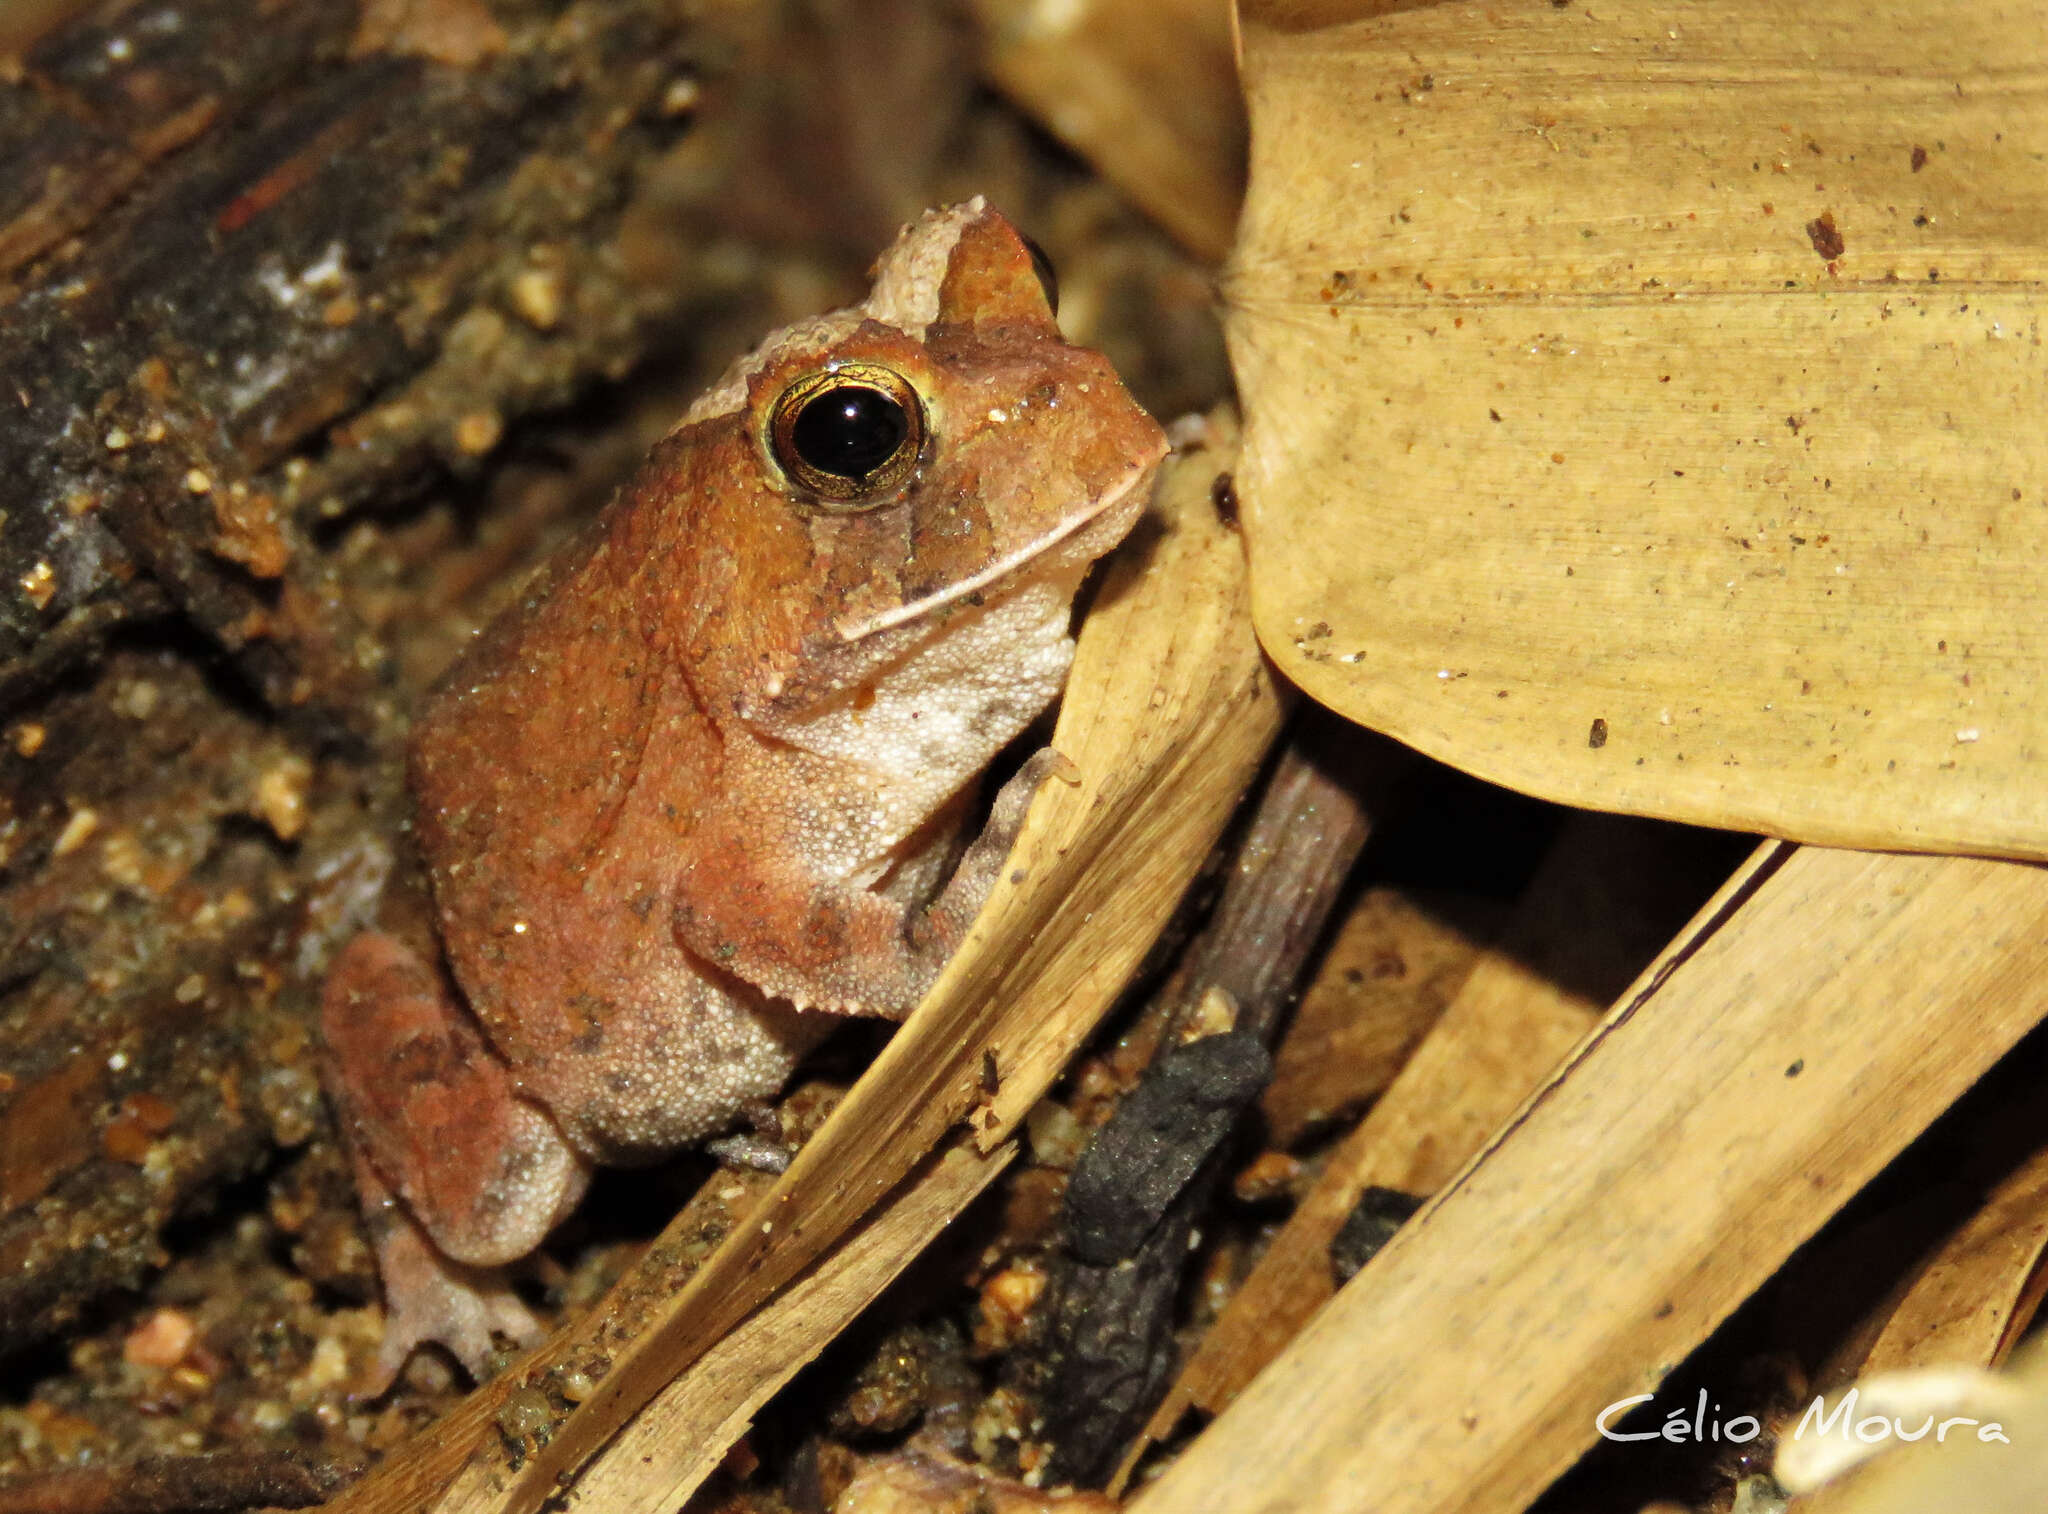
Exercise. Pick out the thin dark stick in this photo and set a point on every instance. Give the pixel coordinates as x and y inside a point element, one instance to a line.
<point>1153,1168</point>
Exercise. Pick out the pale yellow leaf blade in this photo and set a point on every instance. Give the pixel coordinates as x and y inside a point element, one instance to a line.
<point>1814,1018</point>
<point>1644,403</point>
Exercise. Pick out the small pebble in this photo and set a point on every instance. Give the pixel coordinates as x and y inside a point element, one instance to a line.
<point>1269,1175</point>
<point>161,1340</point>
<point>40,585</point>
<point>478,432</point>
<point>75,833</point>
<point>681,97</point>
<point>1006,1304</point>
<point>537,296</point>
<point>281,796</point>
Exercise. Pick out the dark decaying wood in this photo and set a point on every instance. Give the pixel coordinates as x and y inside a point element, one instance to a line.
<point>183,1485</point>
<point>263,265</point>
<point>231,226</point>
<point>310,317</point>
<point>1132,1202</point>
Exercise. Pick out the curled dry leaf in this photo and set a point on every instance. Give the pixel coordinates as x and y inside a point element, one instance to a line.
<point>1146,90</point>
<point>1970,1300</point>
<point>1985,1476</point>
<point>1964,1397</point>
<point>1167,714</point>
<point>1643,402</point>
<point>1980,1291</point>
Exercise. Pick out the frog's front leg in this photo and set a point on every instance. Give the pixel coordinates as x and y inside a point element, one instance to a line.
<point>939,929</point>
<point>458,1173</point>
<point>824,943</point>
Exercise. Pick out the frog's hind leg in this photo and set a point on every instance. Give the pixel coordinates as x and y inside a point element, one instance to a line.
<point>431,1115</point>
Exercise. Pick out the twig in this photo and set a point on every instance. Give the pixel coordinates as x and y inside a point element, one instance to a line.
<point>1133,1199</point>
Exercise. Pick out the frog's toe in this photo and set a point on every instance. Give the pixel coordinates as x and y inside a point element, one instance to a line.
<point>751,1150</point>
<point>429,1299</point>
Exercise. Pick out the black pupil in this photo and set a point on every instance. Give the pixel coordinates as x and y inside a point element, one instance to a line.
<point>850,431</point>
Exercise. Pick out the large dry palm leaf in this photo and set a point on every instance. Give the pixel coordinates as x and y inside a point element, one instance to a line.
<point>1645,402</point>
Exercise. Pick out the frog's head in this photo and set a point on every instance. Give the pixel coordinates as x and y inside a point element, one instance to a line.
<point>898,463</point>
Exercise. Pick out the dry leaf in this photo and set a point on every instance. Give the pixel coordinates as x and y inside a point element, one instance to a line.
<point>2003,1476</point>
<point>1972,1299</point>
<point>1811,1461</point>
<point>1392,967</point>
<point>673,1444</point>
<point>1643,402</point>
<point>1146,90</point>
<point>1814,1018</point>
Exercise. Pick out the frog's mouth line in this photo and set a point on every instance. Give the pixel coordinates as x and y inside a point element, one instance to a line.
<point>857,630</point>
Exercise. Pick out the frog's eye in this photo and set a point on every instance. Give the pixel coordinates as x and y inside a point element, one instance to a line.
<point>1048,276</point>
<point>850,435</point>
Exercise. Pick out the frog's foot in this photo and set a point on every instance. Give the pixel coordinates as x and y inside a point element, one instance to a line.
<point>457,1172</point>
<point>430,1299</point>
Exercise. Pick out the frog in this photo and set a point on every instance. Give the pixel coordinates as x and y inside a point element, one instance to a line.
<point>705,788</point>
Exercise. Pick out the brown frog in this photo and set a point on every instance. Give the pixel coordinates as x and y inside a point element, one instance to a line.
<point>700,791</point>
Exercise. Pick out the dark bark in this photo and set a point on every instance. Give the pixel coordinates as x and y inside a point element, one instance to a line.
<point>230,227</point>
<point>261,266</point>
<point>1372,1222</point>
<point>276,277</point>
<point>179,1485</point>
<point>1155,1167</point>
